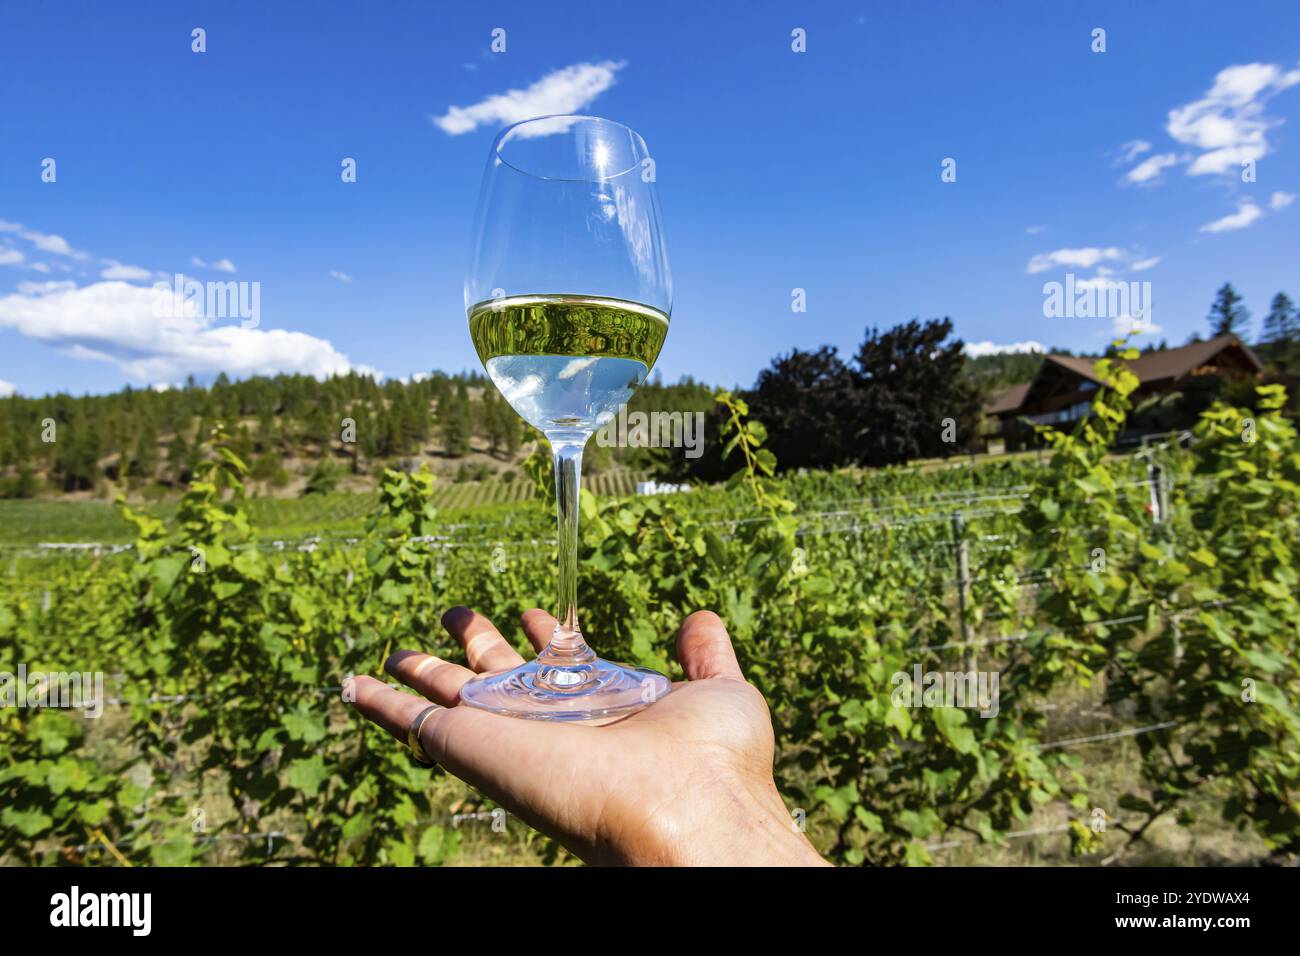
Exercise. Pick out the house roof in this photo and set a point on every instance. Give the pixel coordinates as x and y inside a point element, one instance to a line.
<point>1078,364</point>
<point>1159,366</point>
<point>1175,363</point>
<point>1009,400</point>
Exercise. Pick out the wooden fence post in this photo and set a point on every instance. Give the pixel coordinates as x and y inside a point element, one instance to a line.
<point>963,584</point>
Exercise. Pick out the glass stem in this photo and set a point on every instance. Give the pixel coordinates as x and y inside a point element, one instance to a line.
<point>567,659</point>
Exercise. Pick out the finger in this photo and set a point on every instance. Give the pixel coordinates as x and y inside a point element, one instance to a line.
<point>500,753</point>
<point>436,679</point>
<point>512,761</point>
<point>389,708</point>
<point>516,763</point>
<point>704,648</point>
<point>485,648</point>
<point>539,626</point>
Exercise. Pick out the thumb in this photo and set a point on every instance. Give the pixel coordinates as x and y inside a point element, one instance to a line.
<point>704,648</point>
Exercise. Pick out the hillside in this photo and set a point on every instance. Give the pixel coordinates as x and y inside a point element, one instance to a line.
<point>298,436</point>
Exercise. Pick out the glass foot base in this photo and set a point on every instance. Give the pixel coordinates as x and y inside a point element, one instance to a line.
<point>597,692</point>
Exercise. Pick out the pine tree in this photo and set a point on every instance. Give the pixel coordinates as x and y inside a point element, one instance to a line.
<point>496,428</point>
<point>413,424</point>
<point>361,426</point>
<point>508,424</point>
<point>178,458</point>
<point>1282,331</point>
<point>145,459</point>
<point>1227,315</point>
<point>370,433</point>
<point>265,423</point>
<point>77,458</point>
<point>454,422</point>
<point>18,451</point>
<point>1282,324</point>
<point>27,485</point>
<point>381,442</point>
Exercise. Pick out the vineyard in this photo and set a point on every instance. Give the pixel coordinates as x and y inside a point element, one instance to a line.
<point>1137,616</point>
<point>36,522</point>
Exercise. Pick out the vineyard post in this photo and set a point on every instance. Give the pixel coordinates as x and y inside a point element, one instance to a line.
<point>1166,481</point>
<point>1159,494</point>
<point>1160,483</point>
<point>963,584</point>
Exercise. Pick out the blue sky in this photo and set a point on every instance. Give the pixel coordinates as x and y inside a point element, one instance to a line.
<point>777,170</point>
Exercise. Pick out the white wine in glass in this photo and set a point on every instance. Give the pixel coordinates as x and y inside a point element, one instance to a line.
<point>568,298</point>
<point>566,361</point>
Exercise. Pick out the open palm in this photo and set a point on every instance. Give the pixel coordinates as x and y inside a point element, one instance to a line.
<point>685,781</point>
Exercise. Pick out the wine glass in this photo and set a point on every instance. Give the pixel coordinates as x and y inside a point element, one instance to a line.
<point>568,297</point>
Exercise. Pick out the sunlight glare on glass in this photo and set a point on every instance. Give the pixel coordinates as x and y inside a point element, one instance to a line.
<point>601,156</point>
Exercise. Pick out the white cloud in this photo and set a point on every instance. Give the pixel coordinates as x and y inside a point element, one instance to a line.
<point>1084,258</point>
<point>46,242</point>
<point>1228,124</point>
<point>977,349</point>
<point>341,276</point>
<point>134,328</point>
<point>1129,325</point>
<point>1034,230</point>
<point>1098,282</point>
<point>562,91</point>
<point>1246,214</point>
<point>51,243</point>
<point>116,270</point>
<point>1107,290</point>
<point>43,288</point>
<point>221,265</point>
<point>1144,264</point>
<point>1280,200</point>
<point>1150,168</point>
<point>1133,149</point>
<point>6,388</point>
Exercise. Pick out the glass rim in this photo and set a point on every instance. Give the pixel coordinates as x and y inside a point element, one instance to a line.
<point>501,136</point>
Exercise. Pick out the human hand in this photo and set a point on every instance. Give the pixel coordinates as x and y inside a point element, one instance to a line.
<point>687,781</point>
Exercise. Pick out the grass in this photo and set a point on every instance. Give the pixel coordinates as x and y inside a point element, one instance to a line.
<point>31,521</point>
<point>28,522</point>
<point>1112,768</point>
<point>460,811</point>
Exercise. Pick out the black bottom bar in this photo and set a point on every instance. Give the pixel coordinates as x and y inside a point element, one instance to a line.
<point>381,905</point>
